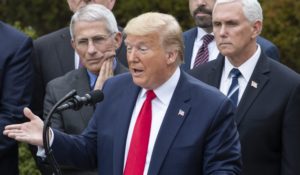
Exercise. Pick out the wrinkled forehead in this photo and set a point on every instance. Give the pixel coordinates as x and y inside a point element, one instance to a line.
<point>90,28</point>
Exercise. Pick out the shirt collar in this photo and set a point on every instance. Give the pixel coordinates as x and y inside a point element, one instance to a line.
<point>92,78</point>
<point>201,33</point>
<point>165,91</point>
<point>246,68</point>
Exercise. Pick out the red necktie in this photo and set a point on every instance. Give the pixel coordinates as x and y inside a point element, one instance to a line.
<point>137,153</point>
<point>202,54</point>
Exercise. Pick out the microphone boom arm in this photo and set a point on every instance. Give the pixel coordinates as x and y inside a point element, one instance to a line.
<point>46,127</point>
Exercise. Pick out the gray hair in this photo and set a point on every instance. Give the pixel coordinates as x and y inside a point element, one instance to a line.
<point>94,12</point>
<point>251,8</point>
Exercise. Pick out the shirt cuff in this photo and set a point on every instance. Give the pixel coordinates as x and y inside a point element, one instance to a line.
<point>41,150</point>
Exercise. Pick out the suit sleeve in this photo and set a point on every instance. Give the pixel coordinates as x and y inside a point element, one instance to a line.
<point>291,134</point>
<point>49,101</point>
<point>222,154</point>
<point>36,104</point>
<point>77,150</point>
<point>269,48</point>
<point>273,52</point>
<point>16,90</point>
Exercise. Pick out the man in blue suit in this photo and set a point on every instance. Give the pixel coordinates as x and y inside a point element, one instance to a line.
<point>190,129</point>
<point>268,93</point>
<point>15,90</point>
<point>201,11</point>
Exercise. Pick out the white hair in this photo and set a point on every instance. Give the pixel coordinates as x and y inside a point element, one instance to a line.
<point>251,8</point>
<point>94,12</point>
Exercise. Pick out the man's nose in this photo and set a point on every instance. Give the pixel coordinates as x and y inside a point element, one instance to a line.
<point>201,2</point>
<point>91,47</point>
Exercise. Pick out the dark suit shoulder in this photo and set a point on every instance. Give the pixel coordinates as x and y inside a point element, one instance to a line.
<point>264,42</point>
<point>190,32</point>
<point>201,72</point>
<point>281,72</point>
<point>52,37</point>
<point>16,37</point>
<point>269,48</point>
<point>198,86</point>
<point>68,78</point>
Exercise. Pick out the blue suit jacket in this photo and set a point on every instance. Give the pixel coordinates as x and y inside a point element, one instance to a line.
<point>203,140</point>
<point>189,37</point>
<point>15,90</point>
<point>267,117</point>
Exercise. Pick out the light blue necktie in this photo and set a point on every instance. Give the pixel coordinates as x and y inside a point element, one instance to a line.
<point>233,92</point>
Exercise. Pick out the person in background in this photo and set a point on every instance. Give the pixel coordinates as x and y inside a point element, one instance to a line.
<point>16,74</point>
<point>55,56</point>
<point>200,45</point>
<point>95,37</point>
<point>266,92</point>
<point>161,121</point>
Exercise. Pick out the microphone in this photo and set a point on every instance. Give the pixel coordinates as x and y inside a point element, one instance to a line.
<point>77,102</point>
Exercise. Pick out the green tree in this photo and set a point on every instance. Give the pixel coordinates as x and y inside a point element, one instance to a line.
<point>27,164</point>
<point>43,15</point>
<point>281,25</point>
<point>125,10</point>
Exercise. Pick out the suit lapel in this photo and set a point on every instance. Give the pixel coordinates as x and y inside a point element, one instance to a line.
<point>176,114</point>
<point>65,51</point>
<point>189,40</point>
<point>255,85</point>
<point>82,87</point>
<point>215,73</point>
<point>129,97</point>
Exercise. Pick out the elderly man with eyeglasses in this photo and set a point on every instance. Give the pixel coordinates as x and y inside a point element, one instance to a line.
<point>95,37</point>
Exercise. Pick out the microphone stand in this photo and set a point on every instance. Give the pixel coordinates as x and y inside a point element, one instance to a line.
<point>47,124</point>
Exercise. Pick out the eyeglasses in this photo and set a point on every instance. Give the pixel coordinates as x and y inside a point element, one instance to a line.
<point>97,41</point>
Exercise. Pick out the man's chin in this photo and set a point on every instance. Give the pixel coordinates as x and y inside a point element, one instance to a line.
<point>205,26</point>
<point>203,23</point>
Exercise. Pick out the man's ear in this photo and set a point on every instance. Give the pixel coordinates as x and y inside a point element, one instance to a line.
<point>111,4</point>
<point>171,56</point>
<point>257,28</point>
<point>118,40</point>
<point>73,44</point>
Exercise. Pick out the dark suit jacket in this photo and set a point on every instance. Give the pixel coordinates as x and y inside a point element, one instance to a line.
<point>268,117</point>
<point>16,74</point>
<point>70,121</point>
<point>189,37</point>
<point>203,140</point>
<point>54,57</point>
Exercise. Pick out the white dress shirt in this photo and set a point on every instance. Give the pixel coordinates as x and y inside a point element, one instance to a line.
<point>212,47</point>
<point>76,60</point>
<point>160,105</point>
<point>246,70</point>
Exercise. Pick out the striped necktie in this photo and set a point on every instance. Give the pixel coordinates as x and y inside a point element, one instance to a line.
<point>202,54</point>
<point>233,92</point>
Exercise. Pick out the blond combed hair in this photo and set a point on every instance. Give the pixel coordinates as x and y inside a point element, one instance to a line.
<point>165,25</point>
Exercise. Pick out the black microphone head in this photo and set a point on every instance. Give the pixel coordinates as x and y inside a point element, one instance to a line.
<point>96,96</point>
